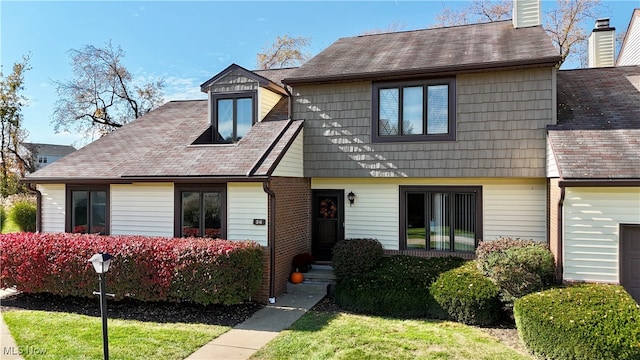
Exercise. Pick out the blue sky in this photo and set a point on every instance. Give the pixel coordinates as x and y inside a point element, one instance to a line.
<point>186,43</point>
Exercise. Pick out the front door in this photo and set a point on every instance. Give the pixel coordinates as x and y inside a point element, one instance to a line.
<point>630,259</point>
<point>328,222</point>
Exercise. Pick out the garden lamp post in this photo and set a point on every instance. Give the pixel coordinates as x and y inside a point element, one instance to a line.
<point>101,264</point>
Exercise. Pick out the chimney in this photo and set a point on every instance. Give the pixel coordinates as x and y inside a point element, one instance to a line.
<point>602,44</point>
<point>526,13</point>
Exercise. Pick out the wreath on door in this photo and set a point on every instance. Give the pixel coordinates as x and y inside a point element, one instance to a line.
<point>328,209</point>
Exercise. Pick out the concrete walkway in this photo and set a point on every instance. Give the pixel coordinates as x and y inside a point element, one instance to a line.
<point>238,343</point>
<point>249,336</point>
<point>8,348</point>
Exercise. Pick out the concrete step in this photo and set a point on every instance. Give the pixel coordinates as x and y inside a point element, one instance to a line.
<point>319,279</point>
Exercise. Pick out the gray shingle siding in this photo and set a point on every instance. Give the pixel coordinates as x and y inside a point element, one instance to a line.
<point>501,120</point>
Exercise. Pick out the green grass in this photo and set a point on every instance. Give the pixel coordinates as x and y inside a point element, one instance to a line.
<point>53,335</point>
<point>348,336</point>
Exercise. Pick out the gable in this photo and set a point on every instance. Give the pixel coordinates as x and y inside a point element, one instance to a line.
<point>630,49</point>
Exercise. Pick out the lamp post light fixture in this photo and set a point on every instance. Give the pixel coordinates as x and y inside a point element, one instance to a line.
<point>101,264</point>
<point>352,198</point>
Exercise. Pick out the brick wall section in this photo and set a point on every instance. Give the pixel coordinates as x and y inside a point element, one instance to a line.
<point>501,119</point>
<point>262,295</point>
<point>293,231</point>
<point>554,235</point>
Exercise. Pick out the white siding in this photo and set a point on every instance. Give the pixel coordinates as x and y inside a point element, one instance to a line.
<point>515,210</point>
<point>552,166</point>
<point>526,13</point>
<point>515,207</point>
<point>53,207</point>
<point>591,231</point>
<point>142,209</point>
<point>266,101</point>
<point>292,162</point>
<point>602,47</point>
<point>630,54</point>
<point>245,202</point>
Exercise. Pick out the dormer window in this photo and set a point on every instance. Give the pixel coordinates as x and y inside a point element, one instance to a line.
<point>232,116</point>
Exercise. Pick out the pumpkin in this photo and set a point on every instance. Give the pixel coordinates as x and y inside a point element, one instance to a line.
<point>296,277</point>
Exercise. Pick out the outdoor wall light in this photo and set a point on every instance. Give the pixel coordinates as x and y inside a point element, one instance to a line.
<point>101,264</point>
<point>352,197</point>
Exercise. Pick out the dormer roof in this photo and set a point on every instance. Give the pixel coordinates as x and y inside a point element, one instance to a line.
<point>239,70</point>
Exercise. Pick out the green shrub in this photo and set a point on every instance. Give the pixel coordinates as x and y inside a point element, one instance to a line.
<point>518,267</point>
<point>2,217</point>
<point>589,321</point>
<point>23,214</point>
<point>356,256</point>
<point>467,296</point>
<point>398,287</point>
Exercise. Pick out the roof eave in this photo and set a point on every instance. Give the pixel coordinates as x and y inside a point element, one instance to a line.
<point>440,71</point>
<point>144,178</point>
<point>609,182</point>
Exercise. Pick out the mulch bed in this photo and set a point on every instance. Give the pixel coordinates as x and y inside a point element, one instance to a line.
<point>130,309</point>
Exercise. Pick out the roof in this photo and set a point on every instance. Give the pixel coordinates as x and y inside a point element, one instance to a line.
<point>421,52</point>
<point>598,130</point>
<point>50,149</point>
<point>270,79</point>
<point>158,146</point>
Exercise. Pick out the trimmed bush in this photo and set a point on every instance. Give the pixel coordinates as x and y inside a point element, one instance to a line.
<point>2,217</point>
<point>467,296</point>
<point>145,268</point>
<point>398,287</point>
<point>589,321</point>
<point>23,214</point>
<point>518,267</point>
<point>352,257</point>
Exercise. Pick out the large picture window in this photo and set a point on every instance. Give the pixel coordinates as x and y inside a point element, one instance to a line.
<point>87,210</point>
<point>233,116</point>
<point>440,218</point>
<point>414,111</point>
<point>200,212</point>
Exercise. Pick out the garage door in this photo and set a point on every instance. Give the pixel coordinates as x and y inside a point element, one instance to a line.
<point>630,259</point>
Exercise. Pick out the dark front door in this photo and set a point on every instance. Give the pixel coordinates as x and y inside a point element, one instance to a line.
<point>328,222</point>
<point>630,259</point>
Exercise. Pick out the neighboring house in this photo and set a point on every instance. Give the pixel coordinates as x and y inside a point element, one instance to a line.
<point>630,49</point>
<point>44,154</point>
<point>594,170</point>
<point>429,140</point>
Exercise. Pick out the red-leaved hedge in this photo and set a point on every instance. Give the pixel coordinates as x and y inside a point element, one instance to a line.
<point>203,271</point>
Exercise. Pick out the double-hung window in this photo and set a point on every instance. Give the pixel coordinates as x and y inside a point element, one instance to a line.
<point>414,111</point>
<point>440,218</point>
<point>233,116</point>
<point>87,210</point>
<point>200,212</point>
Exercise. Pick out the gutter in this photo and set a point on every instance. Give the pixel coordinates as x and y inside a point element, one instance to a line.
<point>38,205</point>
<point>560,268</point>
<point>271,240</point>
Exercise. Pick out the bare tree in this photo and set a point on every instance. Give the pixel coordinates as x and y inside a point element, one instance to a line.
<point>103,95</point>
<point>564,24</point>
<point>392,27</point>
<point>15,162</point>
<point>284,52</point>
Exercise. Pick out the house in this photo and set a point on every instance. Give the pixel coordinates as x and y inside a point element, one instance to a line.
<point>428,140</point>
<point>630,49</point>
<point>44,154</point>
<point>594,167</point>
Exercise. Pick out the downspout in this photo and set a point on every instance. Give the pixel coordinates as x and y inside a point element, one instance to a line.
<point>560,234</point>
<point>271,240</point>
<point>38,206</point>
<point>290,103</point>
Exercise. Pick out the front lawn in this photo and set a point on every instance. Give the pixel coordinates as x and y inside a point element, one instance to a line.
<point>339,335</point>
<point>56,335</point>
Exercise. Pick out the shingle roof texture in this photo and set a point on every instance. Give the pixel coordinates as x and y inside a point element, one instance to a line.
<point>598,131</point>
<point>431,50</point>
<point>158,145</point>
